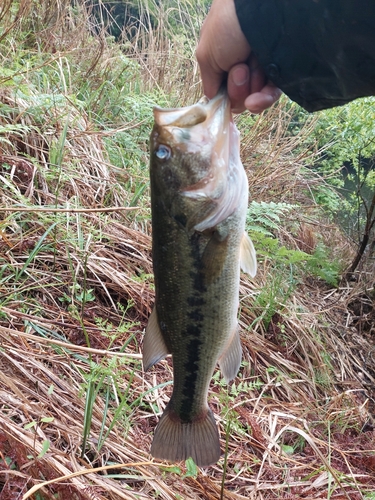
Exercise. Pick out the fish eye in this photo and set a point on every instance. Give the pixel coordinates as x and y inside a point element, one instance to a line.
<point>163,152</point>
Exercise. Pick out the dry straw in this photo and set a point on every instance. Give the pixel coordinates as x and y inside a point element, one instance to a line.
<point>76,290</point>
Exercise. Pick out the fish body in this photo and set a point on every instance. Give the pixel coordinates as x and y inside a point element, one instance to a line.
<point>199,198</point>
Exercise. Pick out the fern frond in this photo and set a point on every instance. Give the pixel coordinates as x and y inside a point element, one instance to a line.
<point>264,217</point>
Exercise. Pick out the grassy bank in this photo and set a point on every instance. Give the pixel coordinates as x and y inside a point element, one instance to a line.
<point>76,286</point>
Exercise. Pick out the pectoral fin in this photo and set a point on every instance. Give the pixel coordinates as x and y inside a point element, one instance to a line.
<point>154,348</point>
<point>230,359</point>
<point>214,256</point>
<point>248,256</point>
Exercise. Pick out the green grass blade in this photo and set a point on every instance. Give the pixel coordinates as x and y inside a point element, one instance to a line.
<point>35,251</point>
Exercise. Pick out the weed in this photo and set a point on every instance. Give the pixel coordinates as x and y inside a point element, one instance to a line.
<point>322,265</point>
<point>273,297</point>
<point>76,289</point>
<point>265,217</point>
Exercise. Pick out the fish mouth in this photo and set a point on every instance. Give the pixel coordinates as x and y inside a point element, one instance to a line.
<point>206,133</point>
<point>211,113</point>
<point>202,129</point>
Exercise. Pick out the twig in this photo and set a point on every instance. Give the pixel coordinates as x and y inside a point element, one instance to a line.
<point>67,345</point>
<point>81,473</point>
<point>67,210</point>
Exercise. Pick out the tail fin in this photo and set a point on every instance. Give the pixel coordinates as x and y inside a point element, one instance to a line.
<point>175,440</point>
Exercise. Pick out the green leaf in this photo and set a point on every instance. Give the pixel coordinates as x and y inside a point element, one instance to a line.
<point>191,468</point>
<point>264,217</point>
<point>45,448</point>
<point>173,469</point>
<point>31,424</point>
<point>289,450</point>
<point>47,419</point>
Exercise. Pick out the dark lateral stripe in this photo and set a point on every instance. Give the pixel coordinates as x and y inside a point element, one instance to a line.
<point>196,301</point>
<point>198,281</point>
<point>189,388</point>
<point>196,315</point>
<point>193,331</point>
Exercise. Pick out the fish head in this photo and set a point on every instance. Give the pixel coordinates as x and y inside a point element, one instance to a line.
<point>195,163</point>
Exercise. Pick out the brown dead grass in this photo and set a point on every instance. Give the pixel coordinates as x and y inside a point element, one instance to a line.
<point>299,427</point>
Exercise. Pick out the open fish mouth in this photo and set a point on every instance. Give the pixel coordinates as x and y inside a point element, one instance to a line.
<point>199,128</point>
<point>203,111</point>
<point>205,129</point>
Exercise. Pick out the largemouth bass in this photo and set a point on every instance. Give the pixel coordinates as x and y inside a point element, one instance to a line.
<point>199,198</point>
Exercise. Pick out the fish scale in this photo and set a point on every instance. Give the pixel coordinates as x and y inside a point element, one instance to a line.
<point>199,197</point>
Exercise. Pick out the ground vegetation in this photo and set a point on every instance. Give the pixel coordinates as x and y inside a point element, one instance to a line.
<point>77,411</point>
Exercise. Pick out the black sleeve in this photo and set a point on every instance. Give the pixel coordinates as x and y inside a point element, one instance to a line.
<point>321,53</point>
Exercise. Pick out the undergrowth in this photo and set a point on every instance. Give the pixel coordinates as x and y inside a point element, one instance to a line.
<point>76,282</point>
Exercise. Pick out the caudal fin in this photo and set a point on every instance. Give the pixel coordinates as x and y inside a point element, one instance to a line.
<point>176,441</point>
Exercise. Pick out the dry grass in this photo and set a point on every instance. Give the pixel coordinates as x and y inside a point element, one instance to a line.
<point>76,290</point>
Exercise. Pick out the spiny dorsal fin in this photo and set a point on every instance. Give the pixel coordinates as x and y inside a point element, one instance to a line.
<point>154,348</point>
<point>248,256</point>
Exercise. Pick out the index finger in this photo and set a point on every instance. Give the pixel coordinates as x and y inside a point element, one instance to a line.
<point>212,76</point>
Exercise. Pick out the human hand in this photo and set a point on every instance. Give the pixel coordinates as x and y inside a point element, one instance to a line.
<point>223,49</point>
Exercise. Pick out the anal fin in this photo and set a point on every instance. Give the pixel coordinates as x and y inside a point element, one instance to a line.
<point>154,348</point>
<point>230,359</point>
<point>248,258</point>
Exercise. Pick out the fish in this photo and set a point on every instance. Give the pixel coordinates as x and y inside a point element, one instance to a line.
<point>199,200</point>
